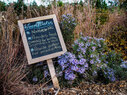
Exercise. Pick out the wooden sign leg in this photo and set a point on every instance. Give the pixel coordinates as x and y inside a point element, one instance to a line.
<point>52,73</point>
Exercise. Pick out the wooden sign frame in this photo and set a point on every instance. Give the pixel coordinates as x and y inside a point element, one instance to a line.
<point>24,38</point>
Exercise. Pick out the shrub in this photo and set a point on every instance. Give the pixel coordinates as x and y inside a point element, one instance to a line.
<point>117,40</point>
<point>2,6</point>
<point>115,33</point>
<point>68,24</point>
<point>91,60</point>
<point>119,66</point>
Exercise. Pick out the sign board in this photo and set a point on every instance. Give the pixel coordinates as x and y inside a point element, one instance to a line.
<point>42,38</point>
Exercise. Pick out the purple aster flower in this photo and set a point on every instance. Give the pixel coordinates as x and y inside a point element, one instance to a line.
<point>110,74</point>
<point>67,71</point>
<point>71,55</point>
<point>62,61</point>
<point>80,56</point>
<point>124,65</point>
<point>99,45</point>
<point>113,78</point>
<point>76,42</point>
<point>60,73</point>
<point>74,23</point>
<point>86,65</point>
<point>93,48</point>
<point>64,66</point>
<point>74,68</point>
<point>91,55</point>
<point>83,50</point>
<point>70,76</point>
<point>94,73</point>
<point>102,39</point>
<point>74,61</point>
<point>95,38</point>
<point>81,70</point>
<point>85,38</point>
<point>82,61</point>
<point>106,62</point>
<point>46,73</point>
<point>78,49</point>
<point>64,16</point>
<point>73,45</point>
<point>68,14</point>
<point>88,44</point>
<point>81,44</point>
<point>92,61</point>
<point>81,33</point>
<point>35,79</point>
<point>73,19</point>
<point>99,61</point>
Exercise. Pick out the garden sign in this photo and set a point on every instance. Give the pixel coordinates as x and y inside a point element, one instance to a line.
<point>42,40</point>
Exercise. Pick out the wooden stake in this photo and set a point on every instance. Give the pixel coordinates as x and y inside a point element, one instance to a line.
<point>53,74</point>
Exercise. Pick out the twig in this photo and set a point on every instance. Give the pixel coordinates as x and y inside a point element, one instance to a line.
<point>57,91</point>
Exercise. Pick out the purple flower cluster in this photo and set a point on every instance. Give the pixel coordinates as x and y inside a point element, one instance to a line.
<point>109,73</point>
<point>88,58</point>
<point>69,74</point>
<point>124,64</point>
<point>68,19</point>
<point>71,65</point>
<point>84,57</point>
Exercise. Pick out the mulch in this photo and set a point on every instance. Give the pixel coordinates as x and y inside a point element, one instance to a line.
<point>86,88</point>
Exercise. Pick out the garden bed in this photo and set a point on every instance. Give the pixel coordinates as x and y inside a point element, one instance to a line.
<point>86,88</point>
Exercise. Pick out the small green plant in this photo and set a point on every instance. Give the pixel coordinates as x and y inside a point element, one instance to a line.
<point>38,73</point>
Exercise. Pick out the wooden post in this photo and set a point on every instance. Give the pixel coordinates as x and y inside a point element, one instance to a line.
<point>52,73</point>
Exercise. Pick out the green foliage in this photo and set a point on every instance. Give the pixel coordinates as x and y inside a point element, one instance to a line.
<point>60,3</point>
<point>81,2</point>
<point>34,4</point>
<point>114,61</point>
<point>38,73</point>
<point>2,6</point>
<point>101,4</point>
<point>124,5</point>
<point>18,6</point>
<point>102,16</point>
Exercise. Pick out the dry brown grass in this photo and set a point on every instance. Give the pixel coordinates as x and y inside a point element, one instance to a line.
<point>13,60</point>
<point>115,19</point>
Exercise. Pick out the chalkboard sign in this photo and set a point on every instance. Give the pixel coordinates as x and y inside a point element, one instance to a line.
<point>42,38</point>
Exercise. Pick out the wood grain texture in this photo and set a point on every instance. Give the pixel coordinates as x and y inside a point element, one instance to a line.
<point>53,74</point>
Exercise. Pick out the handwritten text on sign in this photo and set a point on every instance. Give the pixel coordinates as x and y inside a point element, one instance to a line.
<point>42,38</point>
